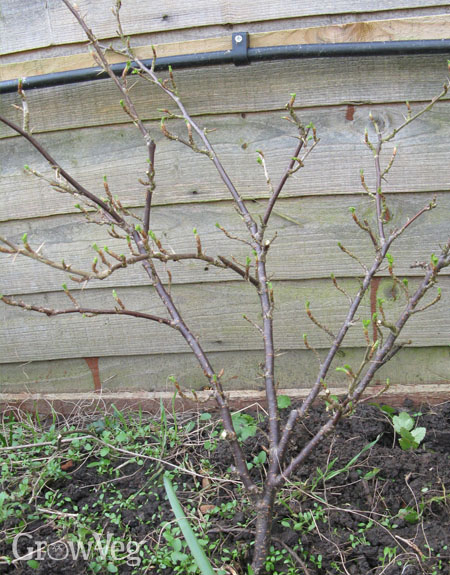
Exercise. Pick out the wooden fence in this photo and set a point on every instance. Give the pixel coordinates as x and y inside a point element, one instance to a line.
<point>86,130</point>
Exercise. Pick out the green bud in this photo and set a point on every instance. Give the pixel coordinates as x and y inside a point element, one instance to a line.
<point>390,259</point>
<point>115,296</point>
<point>217,225</point>
<point>195,231</point>
<point>259,160</point>
<point>95,260</point>
<point>307,304</point>
<point>352,210</point>
<point>342,369</point>
<point>434,259</point>
<point>366,323</point>
<point>122,103</point>
<point>138,227</point>
<point>25,238</point>
<point>64,286</point>
<point>95,247</point>
<point>405,281</point>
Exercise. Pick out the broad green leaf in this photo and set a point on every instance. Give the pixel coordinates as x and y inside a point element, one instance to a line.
<point>403,421</point>
<point>419,434</point>
<point>283,401</point>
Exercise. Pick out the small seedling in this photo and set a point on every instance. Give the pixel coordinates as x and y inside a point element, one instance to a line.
<point>409,438</point>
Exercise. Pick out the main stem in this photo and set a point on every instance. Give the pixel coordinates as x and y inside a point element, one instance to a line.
<point>263,535</point>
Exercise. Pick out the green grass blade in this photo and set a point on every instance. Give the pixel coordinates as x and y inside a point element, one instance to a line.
<point>354,459</point>
<point>196,549</point>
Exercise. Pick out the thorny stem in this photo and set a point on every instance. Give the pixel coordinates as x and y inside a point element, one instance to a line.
<point>83,274</point>
<point>149,74</point>
<point>378,197</point>
<point>113,215</point>
<point>411,118</point>
<point>380,358</point>
<point>315,390</point>
<point>84,311</point>
<point>261,267</point>
<point>177,322</point>
<point>180,325</point>
<point>283,180</point>
<point>257,236</point>
<point>277,474</point>
<point>128,106</point>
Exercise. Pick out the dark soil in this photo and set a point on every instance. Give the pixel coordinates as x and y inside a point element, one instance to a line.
<point>387,513</point>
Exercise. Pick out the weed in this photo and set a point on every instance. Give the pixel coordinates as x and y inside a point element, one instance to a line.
<point>409,438</point>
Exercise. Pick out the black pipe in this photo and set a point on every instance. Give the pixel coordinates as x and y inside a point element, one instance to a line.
<point>356,49</point>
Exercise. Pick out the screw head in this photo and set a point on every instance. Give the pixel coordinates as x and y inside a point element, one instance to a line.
<point>238,39</point>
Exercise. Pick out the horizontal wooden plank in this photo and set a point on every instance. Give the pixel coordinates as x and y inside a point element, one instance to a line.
<point>296,369</point>
<point>150,401</point>
<point>214,314</point>
<point>228,89</point>
<point>306,247</point>
<point>418,28</point>
<point>15,34</point>
<point>185,177</point>
<point>60,27</point>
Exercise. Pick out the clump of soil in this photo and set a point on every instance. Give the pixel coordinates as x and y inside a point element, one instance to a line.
<point>359,505</point>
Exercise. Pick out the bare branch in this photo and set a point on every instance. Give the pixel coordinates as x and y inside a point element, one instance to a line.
<point>87,311</point>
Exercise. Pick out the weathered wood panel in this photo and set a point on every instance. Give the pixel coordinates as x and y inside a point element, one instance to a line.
<point>15,34</point>
<point>136,357</point>
<point>185,177</point>
<point>419,28</point>
<point>306,247</point>
<point>150,401</point>
<point>295,369</point>
<point>25,25</point>
<point>262,86</point>
<point>217,319</point>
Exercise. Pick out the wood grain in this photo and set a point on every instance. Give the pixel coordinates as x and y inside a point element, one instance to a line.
<point>262,86</point>
<point>306,247</point>
<point>213,312</point>
<point>296,369</point>
<point>418,28</point>
<point>183,177</point>
<point>26,25</point>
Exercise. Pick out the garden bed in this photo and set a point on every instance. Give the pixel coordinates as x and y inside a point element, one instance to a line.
<point>360,504</point>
